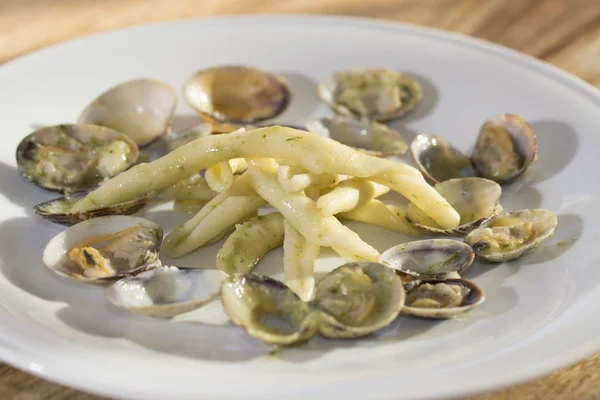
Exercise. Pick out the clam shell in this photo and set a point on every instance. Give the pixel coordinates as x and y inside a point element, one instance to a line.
<point>474,298</point>
<point>141,108</point>
<point>237,94</point>
<point>544,224</point>
<point>491,156</point>
<point>62,139</point>
<point>374,137</point>
<point>408,90</point>
<point>55,252</point>
<point>438,160</point>
<point>475,199</point>
<point>267,309</point>
<point>388,301</point>
<point>165,292</point>
<point>430,259</point>
<point>57,210</point>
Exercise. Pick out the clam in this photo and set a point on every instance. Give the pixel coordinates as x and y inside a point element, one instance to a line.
<point>377,94</point>
<point>165,292</point>
<point>71,158</point>
<point>439,299</point>
<point>430,259</point>
<point>510,235</point>
<point>374,137</point>
<point>505,149</point>
<point>438,160</point>
<point>142,108</point>
<point>100,250</point>
<point>357,299</point>
<point>267,309</point>
<point>237,94</point>
<point>475,199</point>
<point>59,210</point>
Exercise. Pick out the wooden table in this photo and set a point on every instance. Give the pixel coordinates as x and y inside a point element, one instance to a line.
<point>563,32</point>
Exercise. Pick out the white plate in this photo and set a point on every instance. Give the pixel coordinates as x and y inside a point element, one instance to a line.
<point>541,310</point>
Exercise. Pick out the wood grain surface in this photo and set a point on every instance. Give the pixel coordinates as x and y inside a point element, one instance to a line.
<point>565,33</point>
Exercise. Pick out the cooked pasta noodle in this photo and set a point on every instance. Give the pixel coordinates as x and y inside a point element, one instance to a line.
<point>314,153</point>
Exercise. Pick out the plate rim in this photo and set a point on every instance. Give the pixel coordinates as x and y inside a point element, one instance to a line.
<point>15,354</point>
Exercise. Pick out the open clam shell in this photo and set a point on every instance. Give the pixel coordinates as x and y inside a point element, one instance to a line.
<point>237,94</point>
<point>100,250</point>
<point>69,158</point>
<point>377,94</point>
<point>267,309</point>
<point>142,108</point>
<point>438,160</point>
<point>430,259</point>
<point>475,199</point>
<point>165,292</point>
<point>59,210</point>
<point>357,299</point>
<point>508,236</point>
<point>505,149</point>
<point>440,299</point>
<point>363,134</point>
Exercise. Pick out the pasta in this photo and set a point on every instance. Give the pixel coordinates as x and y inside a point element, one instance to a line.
<point>349,195</point>
<point>294,179</point>
<point>249,243</point>
<point>299,256</point>
<point>214,220</point>
<point>302,213</point>
<point>314,153</point>
<point>220,176</point>
<point>389,217</point>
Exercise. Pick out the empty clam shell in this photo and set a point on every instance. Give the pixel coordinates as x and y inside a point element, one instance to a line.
<point>429,259</point>
<point>377,94</point>
<point>361,134</point>
<point>475,199</point>
<point>70,158</point>
<point>141,108</point>
<point>438,160</point>
<point>508,236</point>
<point>59,210</point>
<point>267,309</point>
<point>100,250</point>
<point>357,299</point>
<point>505,149</point>
<point>165,292</point>
<point>437,299</point>
<point>237,94</point>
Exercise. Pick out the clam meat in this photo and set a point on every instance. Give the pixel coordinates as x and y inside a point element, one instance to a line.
<point>71,158</point>
<point>165,292</point>
<point>475,199</point>
<point>430,259</point>
<point>374,137</point>
<point>439,299</point>
<point>237,94</point>
<point>99,250</point>
<point>438,160</point>
<point>357,299</point>
<point>142,108</point>
<point>510,235</point>
<point>377,94</point>
<point>505,149</point>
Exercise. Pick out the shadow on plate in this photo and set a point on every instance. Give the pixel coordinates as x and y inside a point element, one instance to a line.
<point>20,192</point>
<point>557,144</point>
<point>182,123</point>
<point>304,99</point>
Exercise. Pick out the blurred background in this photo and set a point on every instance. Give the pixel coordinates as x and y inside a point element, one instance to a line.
<point>563,32</point>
